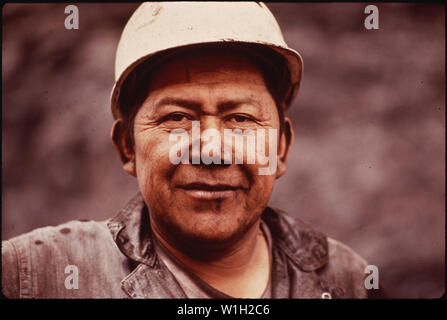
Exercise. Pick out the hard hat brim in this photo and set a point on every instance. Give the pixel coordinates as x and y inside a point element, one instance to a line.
<point>292,58</point>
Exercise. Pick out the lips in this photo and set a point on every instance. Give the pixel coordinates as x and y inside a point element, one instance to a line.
<point>209,191</point>
<point>208,186</point>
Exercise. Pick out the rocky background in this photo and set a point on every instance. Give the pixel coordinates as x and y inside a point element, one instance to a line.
<point>367,166</point>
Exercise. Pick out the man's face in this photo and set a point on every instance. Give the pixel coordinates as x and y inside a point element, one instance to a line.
<point>198,202</point>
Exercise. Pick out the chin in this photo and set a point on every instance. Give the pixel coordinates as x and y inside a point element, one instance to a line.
<point>209,229</point>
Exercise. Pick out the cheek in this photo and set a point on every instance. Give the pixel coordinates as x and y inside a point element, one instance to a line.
<point>261,187</point>
<point>152,161</point>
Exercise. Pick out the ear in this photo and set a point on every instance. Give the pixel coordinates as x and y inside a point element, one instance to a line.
<point>285,143</point>
<point>122,145</point>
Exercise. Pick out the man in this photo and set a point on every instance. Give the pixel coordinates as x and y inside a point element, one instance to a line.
<point>193,79</point>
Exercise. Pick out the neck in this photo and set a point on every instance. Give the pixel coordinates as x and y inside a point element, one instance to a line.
<point>239,270</point>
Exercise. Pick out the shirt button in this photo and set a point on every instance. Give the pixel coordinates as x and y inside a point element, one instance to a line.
<point>326,295</point>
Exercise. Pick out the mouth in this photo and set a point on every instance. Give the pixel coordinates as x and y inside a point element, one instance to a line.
<point>205,191</point>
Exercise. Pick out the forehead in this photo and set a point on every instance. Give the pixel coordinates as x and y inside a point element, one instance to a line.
<point>207,66</point>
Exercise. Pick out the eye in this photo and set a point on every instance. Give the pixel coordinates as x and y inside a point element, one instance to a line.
<point>240,118</point>
<point>176,117</point>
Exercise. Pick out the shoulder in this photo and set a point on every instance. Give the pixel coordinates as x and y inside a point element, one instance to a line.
<point>345,271</point>
<point>340,269</point>
<point>304,245</point>
<point>36,262</point>
<point>342,255</point>
<point>73,234</point>
<point>10,274</point>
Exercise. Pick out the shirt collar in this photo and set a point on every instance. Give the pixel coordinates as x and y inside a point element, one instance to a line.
<point>131,231</point>
<point>306,247</point>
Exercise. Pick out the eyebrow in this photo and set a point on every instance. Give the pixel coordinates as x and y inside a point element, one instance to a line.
<point>177,102</point>
<point>189,104</point>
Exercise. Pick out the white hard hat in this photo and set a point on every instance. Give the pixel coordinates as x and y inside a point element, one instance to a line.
<point>160,26</point>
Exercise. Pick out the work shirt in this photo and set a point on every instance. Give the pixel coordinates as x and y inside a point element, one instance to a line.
<point>117,259</point>
<point>192,285</point>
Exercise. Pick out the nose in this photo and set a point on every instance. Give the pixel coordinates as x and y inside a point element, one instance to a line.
<point>210,122</point>
<point>207,145</point>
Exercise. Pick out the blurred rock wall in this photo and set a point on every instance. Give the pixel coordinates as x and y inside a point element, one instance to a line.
<point>367,166</point>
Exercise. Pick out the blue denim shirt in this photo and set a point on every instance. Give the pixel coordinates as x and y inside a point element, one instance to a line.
<point>116,259</point>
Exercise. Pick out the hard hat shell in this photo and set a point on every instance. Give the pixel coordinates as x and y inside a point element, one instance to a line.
<point>163,26</point>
